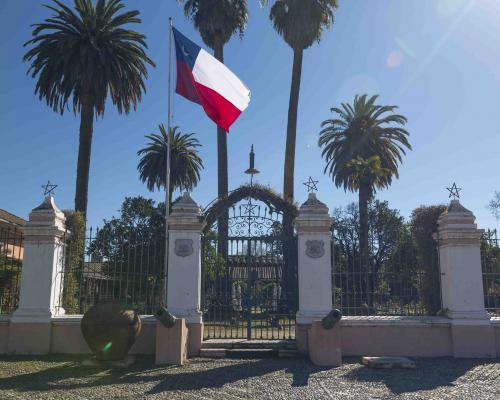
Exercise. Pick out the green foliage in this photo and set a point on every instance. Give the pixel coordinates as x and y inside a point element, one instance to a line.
<point>495,205</point>
<point>402,276</point>
<point>423,225</point>
<point>386,227</point>
<point>361,131</point>
<point>259,192</point>
<point>185,163</point>
<point>217,20</point>
<point>86,51</point>
<point>74,253</point>
<point>214,264</point>
<point>10,276</point>
<point>301,22</point>
<point>129,251</point>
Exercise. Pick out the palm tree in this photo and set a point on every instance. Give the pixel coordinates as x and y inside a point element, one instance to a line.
<point>300,23</point>
<point>362,147</point>
<point>81,55</point>
<point>185,163</point>
<point>217,21</point>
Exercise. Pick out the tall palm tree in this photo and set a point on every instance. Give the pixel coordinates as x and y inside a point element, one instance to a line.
<point>185,163</point>
<point>217,21</point>
<point>362,148</point>
<point>300,23</point>
<point>80,56</point>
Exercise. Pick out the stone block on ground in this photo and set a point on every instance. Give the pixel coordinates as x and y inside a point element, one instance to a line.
<point>388,362</point>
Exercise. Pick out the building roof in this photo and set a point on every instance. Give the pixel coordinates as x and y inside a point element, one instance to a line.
<point>11,219</point>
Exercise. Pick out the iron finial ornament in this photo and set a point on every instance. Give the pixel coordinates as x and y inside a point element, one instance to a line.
<point>48,189</point>
<point>454,191</point>
<point>251,170</point>
<point>311,185</point>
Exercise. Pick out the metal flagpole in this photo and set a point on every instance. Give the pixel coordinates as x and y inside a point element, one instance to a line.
<point>167,177</point>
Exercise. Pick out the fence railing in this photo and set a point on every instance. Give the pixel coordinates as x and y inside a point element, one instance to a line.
<point>11,257</point>
<point>122,266</point>
<point>400,280</point>
<point>490,263</point>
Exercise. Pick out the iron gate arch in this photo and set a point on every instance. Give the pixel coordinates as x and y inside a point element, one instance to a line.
<point>249,286</point>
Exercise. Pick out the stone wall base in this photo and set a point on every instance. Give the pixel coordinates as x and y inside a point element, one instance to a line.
<point>29,338</point>
<point>405,336</point>
<point>474,341</point>
<point>360,336</point>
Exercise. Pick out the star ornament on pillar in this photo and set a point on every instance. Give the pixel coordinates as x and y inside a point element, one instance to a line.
<point>48,189</point>
<point>311,185</point>
<point>454,191</point>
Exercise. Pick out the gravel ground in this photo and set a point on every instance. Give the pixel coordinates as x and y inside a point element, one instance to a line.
<point>62,377</point>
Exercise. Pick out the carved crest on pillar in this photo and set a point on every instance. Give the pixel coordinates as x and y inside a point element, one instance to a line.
<point>183,247</point>
<point>315,248</point>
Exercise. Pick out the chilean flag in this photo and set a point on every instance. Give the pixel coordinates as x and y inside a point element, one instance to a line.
<point>203,79</point>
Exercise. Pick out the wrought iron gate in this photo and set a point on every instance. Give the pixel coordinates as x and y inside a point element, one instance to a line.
<point>250,285</point>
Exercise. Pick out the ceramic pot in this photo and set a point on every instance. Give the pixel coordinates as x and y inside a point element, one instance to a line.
<point>110,329</point>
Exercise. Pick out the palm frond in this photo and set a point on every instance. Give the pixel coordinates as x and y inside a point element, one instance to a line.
<point>364,142</point>
<point>185,163</point>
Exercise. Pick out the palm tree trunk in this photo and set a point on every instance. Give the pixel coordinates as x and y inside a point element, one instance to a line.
<point>288,179</point>
<point>84,150</point>
<point>291,135</point>
<point>364,196</point>
<point>291,130</point>
<point>222,178</point>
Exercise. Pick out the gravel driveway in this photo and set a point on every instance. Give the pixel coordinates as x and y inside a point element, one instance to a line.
<point>61,377</point>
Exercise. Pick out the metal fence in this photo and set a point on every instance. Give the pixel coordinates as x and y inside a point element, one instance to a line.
<point>490,263</point>
<point>11,257</point>
<point>124,266</point>
<point>400,280</point>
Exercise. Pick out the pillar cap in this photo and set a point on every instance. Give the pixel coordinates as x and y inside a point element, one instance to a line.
<point>313,206</point>
<point>186,215</point>
<point>457,214</point>
<point>46,214</point>
<point>313,216</point>
<point>186,205</point>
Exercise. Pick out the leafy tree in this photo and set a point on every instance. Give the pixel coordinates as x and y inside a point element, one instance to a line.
<point>423,225</point>
<point>73,259</point>
<point>185,163</point>
<point>495,205</point>
<point>80,56</point>
<point>300,23</point>
<point>10,278</point>
<point>130,253</point>
<point>217,21</point>
<point>387,232</point>
<point>490,260</point>
<point>362,147</point>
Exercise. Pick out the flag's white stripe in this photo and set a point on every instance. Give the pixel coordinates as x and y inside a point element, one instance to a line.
<point>213,74</point>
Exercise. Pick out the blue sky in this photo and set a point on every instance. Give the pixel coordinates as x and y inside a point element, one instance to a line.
<point>438,60</point>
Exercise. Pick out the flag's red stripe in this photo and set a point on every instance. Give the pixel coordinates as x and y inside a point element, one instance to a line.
<point>185,83</point>
<point>218,108</point>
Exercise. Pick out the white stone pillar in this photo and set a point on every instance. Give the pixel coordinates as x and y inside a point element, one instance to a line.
<point>41,280</point>
<point>184,267</point>
<point>313,225</point>
<point>462,284</point>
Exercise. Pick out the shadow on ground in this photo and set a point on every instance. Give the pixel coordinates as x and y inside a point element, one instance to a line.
<point>60,373</point>
<point>428,375</point>
<point>198,374</point>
